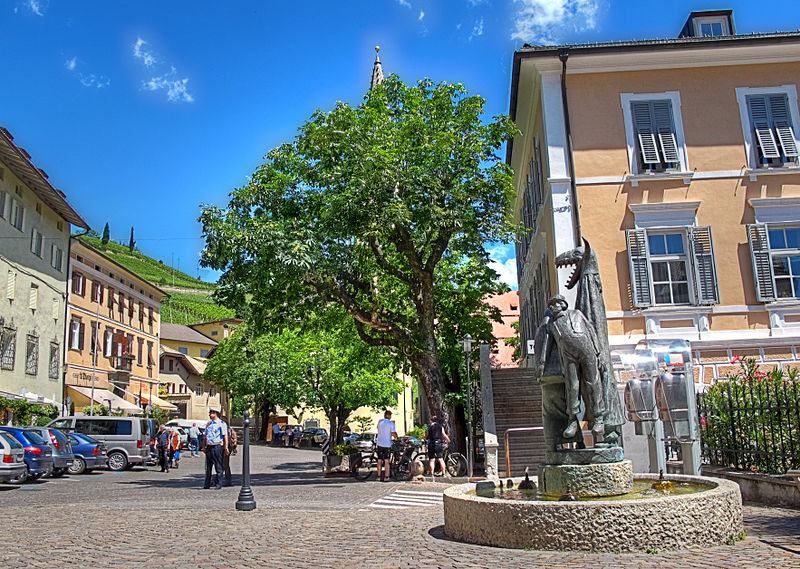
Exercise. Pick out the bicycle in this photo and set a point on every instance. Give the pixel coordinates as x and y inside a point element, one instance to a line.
<point>455,462</point>
<point>401,459</point>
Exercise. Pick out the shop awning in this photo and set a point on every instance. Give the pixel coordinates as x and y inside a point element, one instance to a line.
<point>103,396</point>
<point>158,402</point>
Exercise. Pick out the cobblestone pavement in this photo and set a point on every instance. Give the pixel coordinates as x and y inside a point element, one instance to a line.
<point>118,520</point>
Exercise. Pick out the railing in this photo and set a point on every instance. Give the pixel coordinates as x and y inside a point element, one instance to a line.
<point>753,425</point>
<point>508,447</point>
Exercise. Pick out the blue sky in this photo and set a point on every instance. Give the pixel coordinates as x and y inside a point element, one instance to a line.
<point>140,111</point>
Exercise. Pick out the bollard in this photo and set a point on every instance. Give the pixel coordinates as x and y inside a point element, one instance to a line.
<point>246,501</point>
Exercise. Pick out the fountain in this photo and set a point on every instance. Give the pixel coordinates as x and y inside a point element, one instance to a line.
<point>588,499</point>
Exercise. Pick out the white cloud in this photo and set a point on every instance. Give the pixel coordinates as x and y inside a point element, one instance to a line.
<point>504,262</point>
<point>92,80</point>
<point>174,86</point>
<point>139,52</point>
<point>36,7</point>
<point>405,3</point>
<point>475,2</point>
<point>421,14</point>
<point>71,63</point>
<point>477,30</point>
<point>543,21</point>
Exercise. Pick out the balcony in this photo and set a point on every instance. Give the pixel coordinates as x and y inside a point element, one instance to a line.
<point>123,362</point>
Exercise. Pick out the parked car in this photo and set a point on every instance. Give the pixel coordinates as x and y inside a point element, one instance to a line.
<point>127,439</point>
<point>38,454</point>
<point>59,444</point>
<point>12,457</point>
<point>365,441</point>
<point>317,435</point>
<point>89,453</point>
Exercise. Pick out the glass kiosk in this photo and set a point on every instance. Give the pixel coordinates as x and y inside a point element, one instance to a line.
<point>660,399</point>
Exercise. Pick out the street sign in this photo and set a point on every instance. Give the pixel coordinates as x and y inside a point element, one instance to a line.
<point>163,389</point>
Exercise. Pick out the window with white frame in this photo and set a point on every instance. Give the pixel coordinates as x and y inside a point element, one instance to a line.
<point>775,251</point>
<point>36,242</point>
<point>672,266</point>
<point>32,355</point>
<point>78,283</point>
<point>76,333</point>
<point>17,214</point>
<point>8,347</point>
<point>56,257</point>
<point>654,132</point>
<point>198,389</point>
<point>769,123</point>
<point>55,353</point>
<point>711,26</point>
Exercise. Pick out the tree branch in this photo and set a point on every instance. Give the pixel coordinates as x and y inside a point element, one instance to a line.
<point>380,257</point>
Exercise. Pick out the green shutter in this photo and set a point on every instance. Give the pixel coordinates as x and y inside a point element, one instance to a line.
<point>705,271</point>
<point>762,263</point>
<point>640,267</point>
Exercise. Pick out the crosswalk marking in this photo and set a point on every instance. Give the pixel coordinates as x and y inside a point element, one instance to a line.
<point>402,499</point>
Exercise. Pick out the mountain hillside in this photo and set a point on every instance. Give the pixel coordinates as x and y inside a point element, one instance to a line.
<point>189,300</point>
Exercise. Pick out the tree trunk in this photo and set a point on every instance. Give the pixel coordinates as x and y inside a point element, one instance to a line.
<point>430,375</point>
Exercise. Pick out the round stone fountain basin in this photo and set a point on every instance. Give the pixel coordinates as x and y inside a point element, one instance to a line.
<point>701,519</point>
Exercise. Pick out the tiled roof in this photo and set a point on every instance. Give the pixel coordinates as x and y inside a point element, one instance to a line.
<point>181,333</point>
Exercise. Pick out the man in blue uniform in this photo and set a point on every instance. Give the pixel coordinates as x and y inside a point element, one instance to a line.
<point>215,445</point>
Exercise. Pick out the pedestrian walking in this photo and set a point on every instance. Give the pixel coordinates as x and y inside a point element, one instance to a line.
<point>215,445</point>
<point>174,447</point>
<point>162,445</point>
<point>226,458</point>
<point>436,437</point>
<point>276,434</point>
<point>386,432</point>
<point>194,440</point>
<point>289,436</point>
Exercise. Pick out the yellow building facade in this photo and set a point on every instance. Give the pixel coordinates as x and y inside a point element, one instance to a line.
<point>678,161</point>
<point>112,333</point>
<point>218,330</point>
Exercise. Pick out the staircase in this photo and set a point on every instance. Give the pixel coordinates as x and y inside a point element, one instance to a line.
<point>516,402</point>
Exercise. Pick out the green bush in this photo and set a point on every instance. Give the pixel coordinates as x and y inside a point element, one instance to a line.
<point>26,413</point>
<point>344,450</point>
<point>418,432</point>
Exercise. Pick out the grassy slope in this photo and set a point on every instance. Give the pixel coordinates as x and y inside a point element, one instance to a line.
<point>180,307</point>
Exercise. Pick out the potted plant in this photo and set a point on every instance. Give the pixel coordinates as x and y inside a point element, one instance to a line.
<point>340,460</point>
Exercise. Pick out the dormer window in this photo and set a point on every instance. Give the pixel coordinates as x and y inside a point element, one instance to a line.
<point>711,27</point>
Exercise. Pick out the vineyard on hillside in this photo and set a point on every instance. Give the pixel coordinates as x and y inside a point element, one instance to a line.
<point>180,307</point>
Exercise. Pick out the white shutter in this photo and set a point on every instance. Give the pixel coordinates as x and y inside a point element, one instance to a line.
<point>11,285</point>
<point>705,271</point>
<point>645,131</point>
<point>55,309</point>
<point>762,263</point>
<point>782,121</point>
<point>638,258</point>
<point>662,112</point>
<point>33,297</point>
<point>759,117</point>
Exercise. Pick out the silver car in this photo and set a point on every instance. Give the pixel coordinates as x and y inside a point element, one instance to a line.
<point>12,457</point>
<point>127,439</point>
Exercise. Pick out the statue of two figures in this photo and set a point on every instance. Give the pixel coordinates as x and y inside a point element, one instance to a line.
<point>573,361</point>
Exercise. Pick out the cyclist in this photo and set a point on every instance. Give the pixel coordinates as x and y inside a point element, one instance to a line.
<point>436,437</point>
<point>386,432</point>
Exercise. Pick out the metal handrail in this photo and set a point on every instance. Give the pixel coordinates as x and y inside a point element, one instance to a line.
<point>508,448</point>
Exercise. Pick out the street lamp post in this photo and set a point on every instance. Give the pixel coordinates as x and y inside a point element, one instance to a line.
<point>246,501</point>
<point>109,405</point>
<point>470,454</point>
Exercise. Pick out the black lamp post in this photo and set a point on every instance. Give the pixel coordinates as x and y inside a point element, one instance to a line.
<point>246,501</point>
<point>470,454</point>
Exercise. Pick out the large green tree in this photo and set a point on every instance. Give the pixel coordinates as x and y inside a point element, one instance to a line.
<point>363,209</point>
<point>255,369</point>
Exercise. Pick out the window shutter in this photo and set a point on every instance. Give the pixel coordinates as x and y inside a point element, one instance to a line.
<point>33,297</point>
<point>643,125</point>
<point>759,117</point>
<point>55,309</point>
<point>639,267</point>
<point>705,270</point>
<point>81,335</point>
<point>762,264</point>
<point>782,120</point>
<point>11,285</point>
<point>662,112</point>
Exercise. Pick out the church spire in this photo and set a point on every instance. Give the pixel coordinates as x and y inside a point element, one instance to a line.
<point>377,70</point>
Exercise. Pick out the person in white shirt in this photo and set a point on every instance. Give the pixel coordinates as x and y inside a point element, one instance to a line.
<point>386,432</point>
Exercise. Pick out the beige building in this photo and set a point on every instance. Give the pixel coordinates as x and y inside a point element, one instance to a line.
<point>35,223</point>
<point>186,340</point>
<point>112,332</point>
<point>182,384</point>
<point>678,161</point>
<point>218,330</point>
